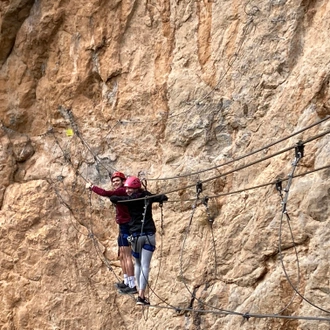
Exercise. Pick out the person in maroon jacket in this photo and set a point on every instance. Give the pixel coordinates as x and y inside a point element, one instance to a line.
<point>122,219</point>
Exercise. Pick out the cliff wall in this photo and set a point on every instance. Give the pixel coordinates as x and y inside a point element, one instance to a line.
<point>179,92</point>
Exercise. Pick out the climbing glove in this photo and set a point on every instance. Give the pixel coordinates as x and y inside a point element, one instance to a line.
<point>163,198</point>
<point>114,199</point>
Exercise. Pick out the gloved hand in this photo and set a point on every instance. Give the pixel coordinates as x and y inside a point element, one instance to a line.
<point>114,199</point>
<point>89,186</point>
<point>163,198</point>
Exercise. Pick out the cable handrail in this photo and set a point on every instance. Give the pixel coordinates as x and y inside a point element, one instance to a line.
<point>236,169</point>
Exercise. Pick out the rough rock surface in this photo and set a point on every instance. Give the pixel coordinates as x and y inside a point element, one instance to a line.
<point>169,90</point>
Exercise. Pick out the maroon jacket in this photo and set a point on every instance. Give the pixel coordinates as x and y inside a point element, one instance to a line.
<point>122,214</point>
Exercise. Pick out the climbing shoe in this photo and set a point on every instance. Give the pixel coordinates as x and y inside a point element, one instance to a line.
<point>121,285</point>
<point>142,301</point>
<point>128,290</point>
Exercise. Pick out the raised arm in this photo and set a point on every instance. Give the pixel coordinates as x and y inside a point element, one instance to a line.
<point>107,193</point>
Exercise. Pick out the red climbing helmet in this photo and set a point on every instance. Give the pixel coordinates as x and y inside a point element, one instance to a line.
<point>118,175</point>
<point>132,182</point>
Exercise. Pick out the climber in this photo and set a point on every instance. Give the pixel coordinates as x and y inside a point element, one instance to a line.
<point>122,219</point>
<point>142,230</point>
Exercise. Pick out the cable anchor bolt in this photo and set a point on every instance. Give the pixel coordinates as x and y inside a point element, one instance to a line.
<point>205,201</point>
<point>299,150</point>
<point>199,187</point>
<point>278,185</point>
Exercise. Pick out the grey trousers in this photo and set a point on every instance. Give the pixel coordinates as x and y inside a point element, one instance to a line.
<point>143,248</point>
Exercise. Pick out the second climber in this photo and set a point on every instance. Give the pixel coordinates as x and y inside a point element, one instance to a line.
<point>142,230</point>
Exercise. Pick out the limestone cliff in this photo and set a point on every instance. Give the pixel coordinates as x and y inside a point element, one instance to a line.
<point>179,92</point>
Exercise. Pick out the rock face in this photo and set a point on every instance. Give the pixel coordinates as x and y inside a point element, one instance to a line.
<point>179,92</point>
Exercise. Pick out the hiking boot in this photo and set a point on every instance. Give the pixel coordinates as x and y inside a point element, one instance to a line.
<point>121,285</point>
<point>142,301</point>
<point>128,290</point>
